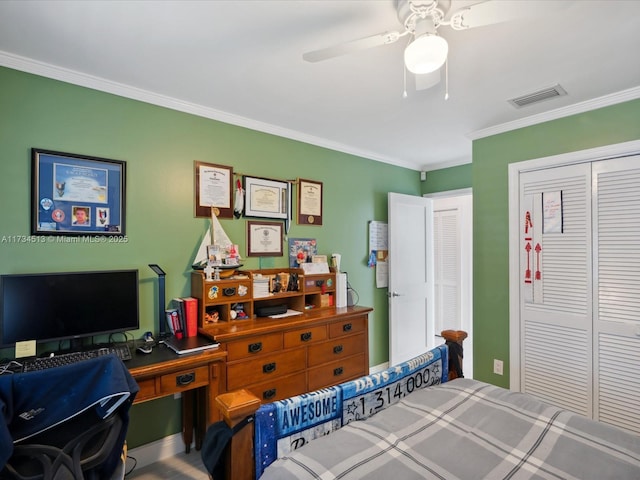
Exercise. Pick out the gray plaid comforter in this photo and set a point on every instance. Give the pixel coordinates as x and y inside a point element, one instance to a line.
<point>466,429</point>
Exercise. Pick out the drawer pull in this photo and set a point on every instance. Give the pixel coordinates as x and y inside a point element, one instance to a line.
<point>337,349</point>
<point>186,379</point>
<point>269,394</point>
<point>255,347</point>
<point>347,327</point>
<point>305,337</point>
<point>269,367</point>
<point>337,371</point>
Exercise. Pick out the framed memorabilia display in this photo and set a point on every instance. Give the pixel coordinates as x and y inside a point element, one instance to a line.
<point>76,195</point>
<point>214,190</point>
<point>264,239</point>
<point>309,202</point>
<point>265,198</point>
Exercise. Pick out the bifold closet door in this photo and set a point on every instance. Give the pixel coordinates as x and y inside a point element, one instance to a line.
<point>556,286</point>
<point>616,260</point>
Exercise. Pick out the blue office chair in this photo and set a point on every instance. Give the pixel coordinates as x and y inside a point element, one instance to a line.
<point>67,422</point>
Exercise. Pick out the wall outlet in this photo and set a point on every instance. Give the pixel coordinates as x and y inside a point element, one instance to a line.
<point>497,366</point>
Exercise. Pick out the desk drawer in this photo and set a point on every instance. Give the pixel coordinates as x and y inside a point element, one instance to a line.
<point>336,349</point>
<point>336,372</point>
<point>305,336</point>
<point>254,346</point>
<point>184,380</point>
<point>266,367</point>
<point>147,390</point>
<point>280,388</point>
<point>347,327</point>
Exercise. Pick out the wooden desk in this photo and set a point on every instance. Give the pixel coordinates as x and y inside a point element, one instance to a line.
<point>195,376</point>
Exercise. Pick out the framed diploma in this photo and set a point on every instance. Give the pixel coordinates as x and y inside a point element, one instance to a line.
<point>77,195</point>
<point>309,202</point>
<point>214,188</point>
<point>264,239</point>
<point>265,198</point>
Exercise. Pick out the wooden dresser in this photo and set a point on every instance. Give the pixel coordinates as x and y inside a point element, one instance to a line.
<point>279,358</point>
<point>276,358</point>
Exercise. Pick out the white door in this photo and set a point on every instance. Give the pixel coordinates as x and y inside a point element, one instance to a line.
<point>453,258</point>
<point>556,286</point>
<point>411,324</point>
<point>616,264</point>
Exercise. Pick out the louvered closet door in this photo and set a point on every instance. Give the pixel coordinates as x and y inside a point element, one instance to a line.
<point>556,286</point>
<point>447,275</point>
<point>616,207</point>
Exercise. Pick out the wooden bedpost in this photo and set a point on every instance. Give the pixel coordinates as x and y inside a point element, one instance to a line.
<point>457,337</point>
<point>235,407</point>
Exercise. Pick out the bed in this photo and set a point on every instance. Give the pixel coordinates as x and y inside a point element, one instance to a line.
<point>410,421</point>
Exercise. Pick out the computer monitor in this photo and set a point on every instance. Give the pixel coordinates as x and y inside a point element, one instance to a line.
<point>49,307</point>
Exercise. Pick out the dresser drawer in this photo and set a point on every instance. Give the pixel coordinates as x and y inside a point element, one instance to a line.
<point>241,374</point>
<point>305,336</point>
<point>184,380</point>
<point>251,347</point>
<point>336,349</point>
<point>336,372</point>
<point>280,388</point>
<point>347,327</point>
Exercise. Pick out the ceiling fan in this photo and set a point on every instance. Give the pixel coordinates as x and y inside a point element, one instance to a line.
<point>427,52</point>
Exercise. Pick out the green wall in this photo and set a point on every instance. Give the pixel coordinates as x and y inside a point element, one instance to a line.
<point>444,179</point>
<point>491,157</point>
<point>160,146</point>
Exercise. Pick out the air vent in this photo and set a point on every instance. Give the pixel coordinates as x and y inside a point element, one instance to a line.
<point>539,96</point>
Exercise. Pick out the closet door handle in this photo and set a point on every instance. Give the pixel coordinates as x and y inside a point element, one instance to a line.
<point>269,367</point>
<point>255,347</point>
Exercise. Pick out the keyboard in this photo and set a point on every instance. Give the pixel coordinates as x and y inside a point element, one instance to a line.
<point>121,351</point>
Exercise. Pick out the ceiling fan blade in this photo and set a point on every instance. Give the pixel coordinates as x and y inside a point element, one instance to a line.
<point>491,12</point>
<point>427,80</point>
<point>353,46</point>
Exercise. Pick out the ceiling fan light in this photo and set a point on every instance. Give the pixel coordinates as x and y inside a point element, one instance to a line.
<point>426,54</point>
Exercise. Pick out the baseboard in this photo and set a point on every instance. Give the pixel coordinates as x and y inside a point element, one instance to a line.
<point>378,368</point>
<point>155,451</point>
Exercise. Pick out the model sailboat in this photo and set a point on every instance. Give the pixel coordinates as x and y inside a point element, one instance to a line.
<point>214,236</point>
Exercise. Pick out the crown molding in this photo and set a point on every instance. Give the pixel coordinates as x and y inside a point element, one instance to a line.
<point>581,107</point>
<point>101,84</point>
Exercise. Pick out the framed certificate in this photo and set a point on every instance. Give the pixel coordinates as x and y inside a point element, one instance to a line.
<point>76,195</point>
<point>309,202</point>
<point>214,188</point>
<point>265,198</point>
<point>264,239</point>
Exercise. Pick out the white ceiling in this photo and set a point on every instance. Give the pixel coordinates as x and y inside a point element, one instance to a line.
<point>241,62</point>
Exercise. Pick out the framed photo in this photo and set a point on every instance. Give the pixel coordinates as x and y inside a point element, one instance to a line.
<point>301,250</point>
<point>265,198</point>
<point>309,202</point>
<point>264,239</point>
<point>214,190</point>
<point>76,194</point>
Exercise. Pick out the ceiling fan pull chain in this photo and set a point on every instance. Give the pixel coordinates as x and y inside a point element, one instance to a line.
<point>446,79</point>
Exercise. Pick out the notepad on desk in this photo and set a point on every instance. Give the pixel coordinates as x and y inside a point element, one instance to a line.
<point>189,344</point>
